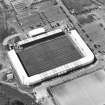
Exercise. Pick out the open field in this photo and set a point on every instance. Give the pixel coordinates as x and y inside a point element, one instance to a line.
<point>7,94</point>
<point>86,90</point>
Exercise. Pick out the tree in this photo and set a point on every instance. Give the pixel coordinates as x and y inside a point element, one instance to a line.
<point>16,102</point>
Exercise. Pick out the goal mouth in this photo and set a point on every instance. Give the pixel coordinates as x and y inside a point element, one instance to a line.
<point>48,55</point>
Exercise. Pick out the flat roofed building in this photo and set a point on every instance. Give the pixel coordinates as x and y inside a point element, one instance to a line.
<point>50,54</point>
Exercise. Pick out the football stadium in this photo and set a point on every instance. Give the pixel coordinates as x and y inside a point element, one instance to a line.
<point>48,55</point>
